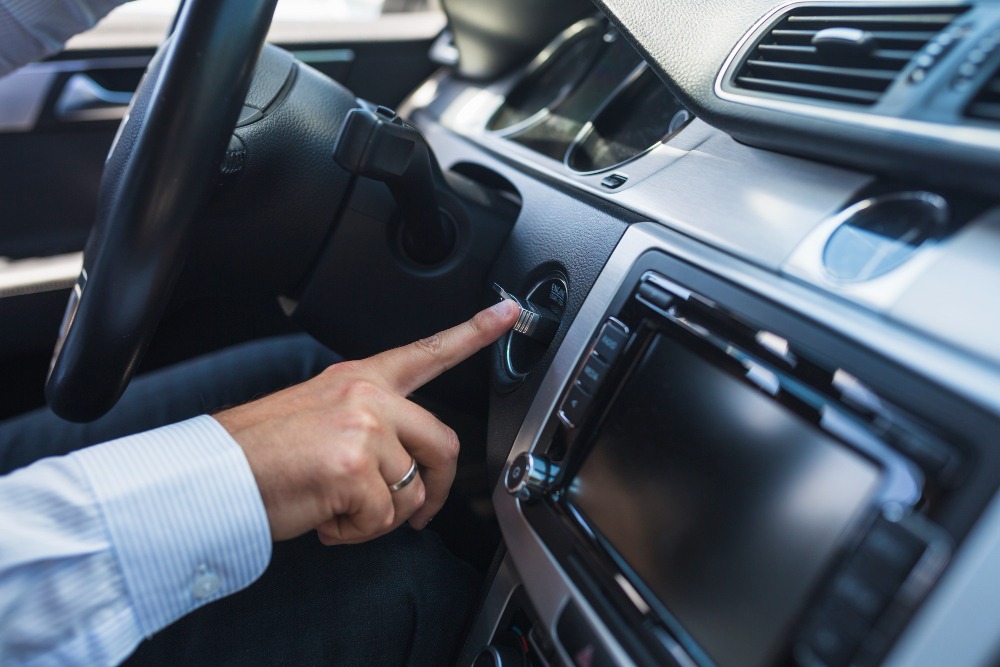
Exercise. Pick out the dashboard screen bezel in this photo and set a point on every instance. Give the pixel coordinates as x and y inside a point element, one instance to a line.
<point>899,485</point>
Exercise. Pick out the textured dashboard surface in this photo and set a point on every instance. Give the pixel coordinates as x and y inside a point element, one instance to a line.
<point>689,40</point>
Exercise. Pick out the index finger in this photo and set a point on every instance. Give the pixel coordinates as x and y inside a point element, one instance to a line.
<point>407,368</point>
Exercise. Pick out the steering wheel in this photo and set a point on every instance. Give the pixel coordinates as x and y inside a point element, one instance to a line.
<point>159,174</point>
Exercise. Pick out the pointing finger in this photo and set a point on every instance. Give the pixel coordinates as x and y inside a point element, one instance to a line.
<point>407,368</point>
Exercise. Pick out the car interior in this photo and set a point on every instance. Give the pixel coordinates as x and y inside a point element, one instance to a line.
<point>749,414</point>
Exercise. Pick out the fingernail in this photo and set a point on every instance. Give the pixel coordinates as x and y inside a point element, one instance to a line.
<point>504,308</point>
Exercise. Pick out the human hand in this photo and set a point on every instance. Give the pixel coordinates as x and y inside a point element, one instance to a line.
<point>324,452</point>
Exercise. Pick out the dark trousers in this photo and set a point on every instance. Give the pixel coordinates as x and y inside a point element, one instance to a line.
<point>400,600</point>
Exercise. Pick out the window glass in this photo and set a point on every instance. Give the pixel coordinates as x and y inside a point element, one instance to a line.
<point>142,23</point>
<point>297,10</point>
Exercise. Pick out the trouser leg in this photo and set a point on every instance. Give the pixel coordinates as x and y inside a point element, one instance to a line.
<point>202,385</point>
<point>400,600</point>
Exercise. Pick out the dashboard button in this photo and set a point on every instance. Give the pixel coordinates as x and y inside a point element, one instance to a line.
<point>863,597</point>
<point>655,296</point>
<point>574,406</point>
<point>593,374</point>
<point>610,342</point>
<point>893,547</point>
<point>614,181</point>
<point>575,636</point>
<point>835,635</point>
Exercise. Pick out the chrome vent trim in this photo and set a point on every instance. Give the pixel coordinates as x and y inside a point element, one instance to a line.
<point>786,61</point>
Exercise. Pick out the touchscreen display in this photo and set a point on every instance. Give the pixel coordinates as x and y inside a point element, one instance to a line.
<point>725,503</point>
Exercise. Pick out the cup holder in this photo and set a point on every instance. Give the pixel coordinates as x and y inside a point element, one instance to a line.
<point>878,234</point>
<point>636,118</point>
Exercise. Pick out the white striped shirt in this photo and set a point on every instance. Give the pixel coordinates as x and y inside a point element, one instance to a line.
<point>33,29</point>
<point>108,545</point>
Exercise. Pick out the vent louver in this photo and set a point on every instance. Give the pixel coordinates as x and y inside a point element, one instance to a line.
<point>986,104</point>
<point>841,54</point>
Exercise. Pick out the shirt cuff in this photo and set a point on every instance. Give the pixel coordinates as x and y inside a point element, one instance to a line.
<point>184,514</point>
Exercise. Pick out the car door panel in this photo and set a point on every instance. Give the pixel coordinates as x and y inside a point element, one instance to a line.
<point>58,120</point>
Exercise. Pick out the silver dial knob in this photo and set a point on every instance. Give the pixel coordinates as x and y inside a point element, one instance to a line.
<point>529,477</point>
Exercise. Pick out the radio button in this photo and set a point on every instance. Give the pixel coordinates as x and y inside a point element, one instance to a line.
<point>835,635</point>
<point>866,598</point>
<point>593,374</point>
<point>610,342</point>
<point>574,406</point>
<point>655,296</point>
<point>892,547</point>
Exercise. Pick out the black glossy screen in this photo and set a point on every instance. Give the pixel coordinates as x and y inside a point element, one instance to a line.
<point>725,503</point>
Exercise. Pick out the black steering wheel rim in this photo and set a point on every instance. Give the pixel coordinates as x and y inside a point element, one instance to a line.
<point>159,174</point>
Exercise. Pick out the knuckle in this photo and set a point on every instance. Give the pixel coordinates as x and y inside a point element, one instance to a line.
<point>432,345</point>
<point>388,519</point>
<point>357,425</point>
<point>367,422</point>
<point>362,389</point>
<point>340,368</point>
<point>451,445</point>
<point>353,460</point>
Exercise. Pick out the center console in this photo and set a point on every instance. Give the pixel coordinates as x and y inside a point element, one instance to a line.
<point>725,474</point>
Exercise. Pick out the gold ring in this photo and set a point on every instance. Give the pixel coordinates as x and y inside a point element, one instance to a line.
<point>410,475</point>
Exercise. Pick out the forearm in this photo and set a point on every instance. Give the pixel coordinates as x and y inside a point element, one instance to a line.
<point>33,29</point>
<point>106,546</point>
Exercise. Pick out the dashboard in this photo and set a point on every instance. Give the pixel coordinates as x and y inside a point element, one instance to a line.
<point>764,430</point>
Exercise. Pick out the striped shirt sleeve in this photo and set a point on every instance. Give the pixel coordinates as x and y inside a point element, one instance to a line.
<point>33,29</point>
<point>110,544</point>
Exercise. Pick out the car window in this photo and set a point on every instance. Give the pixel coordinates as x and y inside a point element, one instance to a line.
<point>142,23</point>
<point>294,10</point>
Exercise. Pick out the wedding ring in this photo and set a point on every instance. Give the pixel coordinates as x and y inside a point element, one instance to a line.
<point>410,475</point>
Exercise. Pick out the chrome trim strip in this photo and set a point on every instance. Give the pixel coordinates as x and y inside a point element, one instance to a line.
<point>972,137</point>
<point>83,99</point>
<point>548,587</point>
<point>37,275</point>
<point>501,589</point>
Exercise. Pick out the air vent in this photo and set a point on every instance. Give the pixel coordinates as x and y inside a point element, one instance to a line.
<point>986,104</point>
<point>841,54</point>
